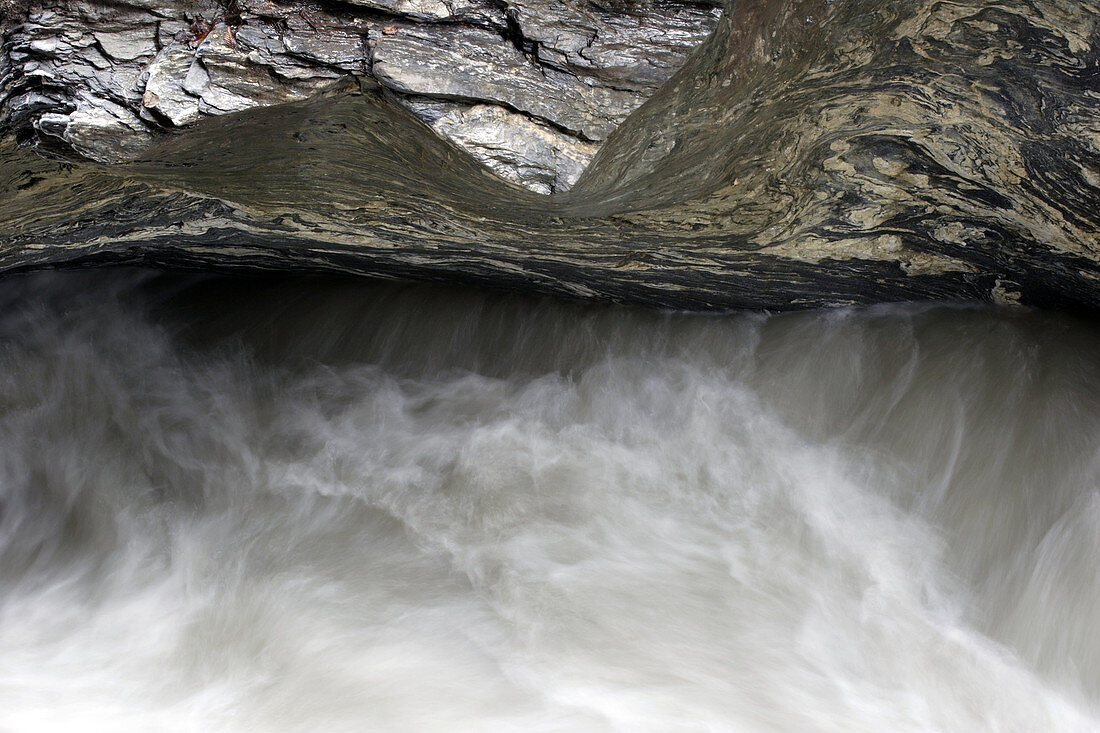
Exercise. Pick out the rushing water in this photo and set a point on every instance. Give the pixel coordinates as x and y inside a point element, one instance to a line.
<point>298,505</point>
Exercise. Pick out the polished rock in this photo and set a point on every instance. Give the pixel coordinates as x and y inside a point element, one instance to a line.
<point>811,153</point>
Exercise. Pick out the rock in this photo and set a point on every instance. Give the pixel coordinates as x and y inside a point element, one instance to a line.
<point>173,63</point>
<point>469,64</point>
<point>99,130</point>
<point>126,45</point>
<point>810,153</point>
<point>517,147</point>
<point>164,93</point>
<point>227,80</point>
<point>419,9</point>
<point>586,38</point>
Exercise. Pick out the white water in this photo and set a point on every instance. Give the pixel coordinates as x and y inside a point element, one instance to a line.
<point>327,506</point>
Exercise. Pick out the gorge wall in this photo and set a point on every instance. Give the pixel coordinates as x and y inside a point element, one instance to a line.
<point>807,153</point>
<point>527,88</point>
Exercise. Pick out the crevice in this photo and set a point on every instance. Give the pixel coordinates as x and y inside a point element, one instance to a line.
<point>513,33</point>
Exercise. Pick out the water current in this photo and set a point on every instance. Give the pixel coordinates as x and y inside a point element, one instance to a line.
<point>320,505</point>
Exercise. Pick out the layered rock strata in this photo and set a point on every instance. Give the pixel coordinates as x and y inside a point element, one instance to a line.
<point>529,88</point>
<point>810,153</point>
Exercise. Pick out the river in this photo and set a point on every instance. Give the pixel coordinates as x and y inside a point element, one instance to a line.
<point>282,504</point>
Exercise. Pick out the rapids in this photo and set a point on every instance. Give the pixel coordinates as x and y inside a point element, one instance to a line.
<point>287,504</point>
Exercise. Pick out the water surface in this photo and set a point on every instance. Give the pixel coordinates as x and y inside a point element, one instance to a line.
<point>295,504</point>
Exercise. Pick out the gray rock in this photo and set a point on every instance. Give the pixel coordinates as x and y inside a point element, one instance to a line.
<point>127,45</point>
<point>164,93</point>
<point>516,147</point>
<point>531,84</point>
<point>327,41</point>
<point>419,9</point>
<point>100,130</point>
<point>228,80</point>
<point>470,64</point>
<point>585,39</point>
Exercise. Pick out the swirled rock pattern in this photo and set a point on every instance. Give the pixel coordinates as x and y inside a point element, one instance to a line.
<point>810,153</point>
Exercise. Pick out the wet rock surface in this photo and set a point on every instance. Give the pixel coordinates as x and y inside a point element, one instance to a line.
<point>551,79</point>
<point>811,153</point>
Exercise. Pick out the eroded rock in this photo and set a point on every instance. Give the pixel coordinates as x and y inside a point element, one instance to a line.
<point>812,153</point>
<point>549,79</point>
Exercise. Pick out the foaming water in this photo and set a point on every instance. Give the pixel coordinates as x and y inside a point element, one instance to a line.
<point>299,505</point>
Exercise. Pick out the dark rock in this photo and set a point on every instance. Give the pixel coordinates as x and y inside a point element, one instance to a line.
<point>811,153</point>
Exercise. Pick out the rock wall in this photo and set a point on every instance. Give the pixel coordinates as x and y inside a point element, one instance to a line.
<point>531,88</point>
<point>809,153</point>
